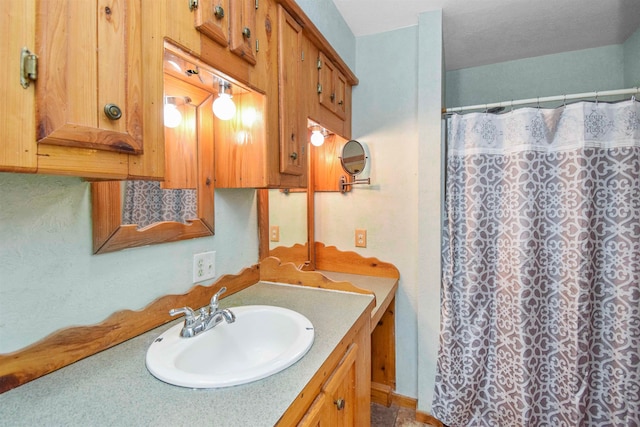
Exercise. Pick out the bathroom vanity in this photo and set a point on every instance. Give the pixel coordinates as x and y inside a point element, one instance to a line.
<point>114,387</point>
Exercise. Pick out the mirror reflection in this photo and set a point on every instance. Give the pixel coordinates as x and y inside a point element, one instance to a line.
<point>353,157</point>
<point>287,218</point>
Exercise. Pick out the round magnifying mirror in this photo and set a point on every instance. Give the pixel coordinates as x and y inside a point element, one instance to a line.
<point>353,157</point>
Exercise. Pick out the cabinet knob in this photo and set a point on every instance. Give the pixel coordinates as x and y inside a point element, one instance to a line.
<point>333,97</point>
<point>339,404</point>
<point>246,32</point>
<point>293,155</point>
<point>112,111</point>
<point>218,12</point>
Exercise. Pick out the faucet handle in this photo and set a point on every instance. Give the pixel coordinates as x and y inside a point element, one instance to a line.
<point>214,299</point>
<point>189,314</point>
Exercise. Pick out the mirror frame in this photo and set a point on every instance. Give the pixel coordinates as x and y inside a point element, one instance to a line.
<point>364,158</point>
<point>109,234</point>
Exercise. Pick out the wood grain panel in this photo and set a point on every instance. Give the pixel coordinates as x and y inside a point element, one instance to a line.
<point>331,259</point>
<point>273,270</point>
<point>17,111</point>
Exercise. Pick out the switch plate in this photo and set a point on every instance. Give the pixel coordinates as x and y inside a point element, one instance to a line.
<point>204,266</point>
<point>274,233</point>
<point>361,238</point>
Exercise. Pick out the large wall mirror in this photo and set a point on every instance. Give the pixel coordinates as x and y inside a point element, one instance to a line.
<point>200,104</point>
<point>288,224</point>
<point>291,211</point>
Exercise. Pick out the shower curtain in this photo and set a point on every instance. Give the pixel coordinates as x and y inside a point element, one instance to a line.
<point>540,317</point>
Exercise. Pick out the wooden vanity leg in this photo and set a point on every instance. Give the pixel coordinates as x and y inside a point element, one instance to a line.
<point>383,358</point>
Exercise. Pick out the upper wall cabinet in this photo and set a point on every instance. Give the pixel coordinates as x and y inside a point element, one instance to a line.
<point>332,87</point>
<point>18,146</point>
<point>280,159</point>
<point>293,135</point>
<point>229,23</point>
<point>88,90</point>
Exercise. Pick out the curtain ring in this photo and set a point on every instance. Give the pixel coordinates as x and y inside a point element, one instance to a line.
<point>596,98</point>
<point>564,101</point>
<point>538,103</point>
<point>511,106</point>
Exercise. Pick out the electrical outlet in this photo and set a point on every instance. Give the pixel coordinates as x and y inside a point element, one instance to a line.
<point>361,238</point>
<point>274,233</point>
<point>204,266</point>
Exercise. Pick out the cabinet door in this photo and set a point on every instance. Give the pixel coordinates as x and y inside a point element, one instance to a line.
<point>90,73</point>
<point>332,87</point>
<point>340,391</point>
<point>243,29</point>
<point>17,111</point>
<point>292,134</point>
<point>212,19</point>
<point>319,414</point>
<point>326,72</point>
<point>340,89</point>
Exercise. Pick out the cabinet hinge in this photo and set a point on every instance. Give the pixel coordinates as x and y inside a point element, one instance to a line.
<point>257,46</point>
<point>319,64</point>
<point>28,67</point>
<point>193,4</point>
<point>319,88</point>
<point>256,4</point>
<point>302,56</point>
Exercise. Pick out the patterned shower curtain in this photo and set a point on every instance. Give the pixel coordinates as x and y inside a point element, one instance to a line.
<point>540,318</point>
<point>146,203</point>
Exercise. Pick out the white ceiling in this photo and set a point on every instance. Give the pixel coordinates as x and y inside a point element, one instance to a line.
<point>480,32</point>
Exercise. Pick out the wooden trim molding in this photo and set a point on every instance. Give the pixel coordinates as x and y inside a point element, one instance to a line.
<point>411,403</point>
<point>273,270</point>
<point>332,259</point>
<point>69,345</point>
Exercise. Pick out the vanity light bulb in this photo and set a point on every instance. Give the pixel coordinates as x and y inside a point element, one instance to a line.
<point>223,107</point>
<point>317,138</point>
<point>172,116</point>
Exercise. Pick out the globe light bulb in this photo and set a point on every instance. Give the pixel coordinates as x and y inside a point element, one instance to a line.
<point>172,116</point>
<point>317,138</point>
<point>223,107</point>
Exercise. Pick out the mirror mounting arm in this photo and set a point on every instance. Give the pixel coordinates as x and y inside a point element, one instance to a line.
<point>344,183</point>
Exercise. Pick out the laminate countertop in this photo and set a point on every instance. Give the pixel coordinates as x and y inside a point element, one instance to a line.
<point>114,388</point>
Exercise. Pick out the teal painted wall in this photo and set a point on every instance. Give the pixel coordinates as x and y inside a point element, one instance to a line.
<point>631,49</point>
<point>326,17</point>
<point>579,71</point>
<point>49,278</point>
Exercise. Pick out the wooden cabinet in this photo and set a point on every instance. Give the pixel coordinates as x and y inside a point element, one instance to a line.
<point>280,159</point>
<point>339,394</point>
<point>332,87</point>
<point>18,146</point>
<point>228,23</point>
<point>336,404</point>
<point>293,135</point>
<point>89,94</point>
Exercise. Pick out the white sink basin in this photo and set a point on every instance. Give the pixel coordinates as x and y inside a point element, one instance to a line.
<point>262,341</point>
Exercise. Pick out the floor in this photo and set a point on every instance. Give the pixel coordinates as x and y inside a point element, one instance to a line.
<point>394,416</point>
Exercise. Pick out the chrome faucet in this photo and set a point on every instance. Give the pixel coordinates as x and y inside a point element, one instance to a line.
<point>207,318</point>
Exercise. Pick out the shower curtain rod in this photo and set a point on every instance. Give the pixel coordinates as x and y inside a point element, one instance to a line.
<point>543,99</point>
